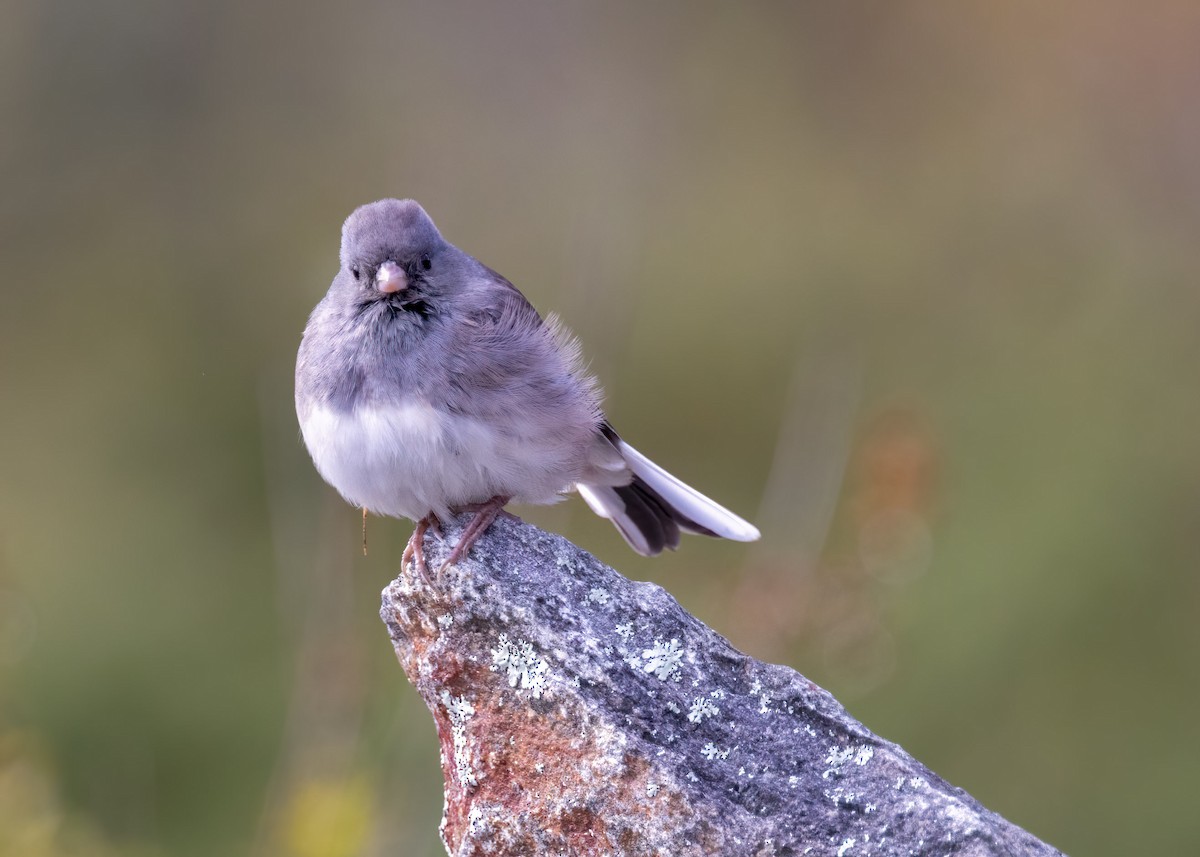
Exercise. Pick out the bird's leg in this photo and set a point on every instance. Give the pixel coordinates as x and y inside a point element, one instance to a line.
<point>485,513</point>
<point>415,549</point>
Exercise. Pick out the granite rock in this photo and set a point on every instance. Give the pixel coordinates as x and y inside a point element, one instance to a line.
<point>581,713</point>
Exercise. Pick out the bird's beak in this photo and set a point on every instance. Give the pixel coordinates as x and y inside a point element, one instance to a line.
<point>391,278</point>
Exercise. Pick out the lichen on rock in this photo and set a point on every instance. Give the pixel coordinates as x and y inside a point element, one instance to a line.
<point>582,713</point>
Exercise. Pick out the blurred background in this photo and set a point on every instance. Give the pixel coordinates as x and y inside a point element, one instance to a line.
<point>914,285</point>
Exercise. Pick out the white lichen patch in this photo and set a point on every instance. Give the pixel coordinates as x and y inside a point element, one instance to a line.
<point>651,789</point>
<point>459,710</point>
<point>840,756</point>
<point>846,845</point>
<point>522,666</point>
<point>625,631</point>
<point>701,708</point>
<point>842,796</point>
<point>597,595</point>
<point>566,562</point>
<point>664,659</point>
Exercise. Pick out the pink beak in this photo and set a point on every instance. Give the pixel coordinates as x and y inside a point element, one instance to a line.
<point>391,278</point>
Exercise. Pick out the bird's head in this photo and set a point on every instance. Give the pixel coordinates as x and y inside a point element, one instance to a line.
<point>391,256</point>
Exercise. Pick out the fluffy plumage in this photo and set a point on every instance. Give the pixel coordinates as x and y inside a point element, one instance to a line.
<point>438,387</point>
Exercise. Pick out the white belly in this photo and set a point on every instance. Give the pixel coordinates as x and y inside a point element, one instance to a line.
<point>410,459</point>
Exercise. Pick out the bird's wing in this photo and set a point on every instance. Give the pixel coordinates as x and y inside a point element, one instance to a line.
<point>505,357</point>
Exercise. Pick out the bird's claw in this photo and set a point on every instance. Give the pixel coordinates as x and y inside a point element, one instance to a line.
<point>415,549</point>
<point>485,514</point>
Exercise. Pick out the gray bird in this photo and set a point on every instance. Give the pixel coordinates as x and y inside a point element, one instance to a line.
<point>427,385</point>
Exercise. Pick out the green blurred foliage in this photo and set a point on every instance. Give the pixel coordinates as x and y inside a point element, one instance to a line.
<point>917,281</point>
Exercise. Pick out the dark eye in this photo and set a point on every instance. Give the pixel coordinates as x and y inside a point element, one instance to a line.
<point>425,263</point>
<point>356,272</point>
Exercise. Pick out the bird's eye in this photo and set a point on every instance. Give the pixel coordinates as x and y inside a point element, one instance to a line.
<point>356,272</point>
<point>425,263</point>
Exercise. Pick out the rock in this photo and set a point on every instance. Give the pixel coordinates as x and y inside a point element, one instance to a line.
<point>581,713</point>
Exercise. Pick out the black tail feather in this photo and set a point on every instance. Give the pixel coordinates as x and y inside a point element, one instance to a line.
<point>656,519</point>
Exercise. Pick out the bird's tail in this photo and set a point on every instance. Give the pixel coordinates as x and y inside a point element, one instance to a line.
<point>652,510</point>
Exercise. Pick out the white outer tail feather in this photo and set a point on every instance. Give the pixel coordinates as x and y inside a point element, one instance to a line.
<point>703,510</point>
<point>604,501</point>
<point>690,502</point>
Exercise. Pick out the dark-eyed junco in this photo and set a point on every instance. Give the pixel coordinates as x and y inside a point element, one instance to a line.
<point>427,385</point>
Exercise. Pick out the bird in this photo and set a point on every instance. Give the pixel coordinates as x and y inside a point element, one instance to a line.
<point>427,386</point>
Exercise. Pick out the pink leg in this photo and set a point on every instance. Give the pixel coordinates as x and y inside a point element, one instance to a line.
<point>485,513</point>
<point>415,549</point>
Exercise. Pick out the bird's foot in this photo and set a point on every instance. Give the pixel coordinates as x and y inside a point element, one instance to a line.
<point>485,513</point>
<point>415,549</point>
